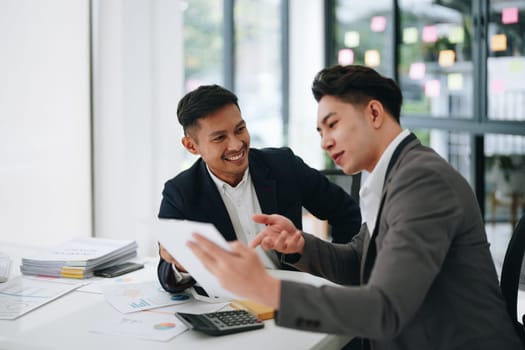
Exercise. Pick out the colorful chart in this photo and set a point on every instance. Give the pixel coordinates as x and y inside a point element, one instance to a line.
<point>164,326</point>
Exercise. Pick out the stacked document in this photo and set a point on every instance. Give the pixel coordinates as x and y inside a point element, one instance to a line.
<point>79,257</point>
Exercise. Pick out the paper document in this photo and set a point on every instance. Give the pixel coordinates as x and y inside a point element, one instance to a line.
<point>145,325</point>
<point>174,234</point>
<point>131,297</point>
<point>21,295</point>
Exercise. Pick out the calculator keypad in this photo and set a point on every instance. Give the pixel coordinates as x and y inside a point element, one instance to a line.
<point>223,322</point>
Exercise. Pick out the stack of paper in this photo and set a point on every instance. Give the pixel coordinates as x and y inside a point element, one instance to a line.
<point>79,257</point>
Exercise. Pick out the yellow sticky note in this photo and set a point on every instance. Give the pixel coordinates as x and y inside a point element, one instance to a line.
<point>456,35</point>
<point>498,42</point>
<point>410,35</point>
<point>455,81</point>
<point>372,58</point>
<point>516,66</point>
<point>446,58</point>
<point>352,39</point>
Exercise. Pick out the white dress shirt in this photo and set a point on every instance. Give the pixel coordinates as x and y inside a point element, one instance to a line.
<point>372,189</point>
<point>241,203</point>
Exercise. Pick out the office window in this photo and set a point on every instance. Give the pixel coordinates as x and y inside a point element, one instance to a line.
<point>506,60</point>
<point>247,59</point>
<point>461,67</point>
<point>452,146</point>
<point>203,43</point>
<point>258,69</point>
<point>504,178</point>
<point>363,34</point>
<point>435,58</point>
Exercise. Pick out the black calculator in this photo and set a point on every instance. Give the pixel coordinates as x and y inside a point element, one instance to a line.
<point>221,322</point>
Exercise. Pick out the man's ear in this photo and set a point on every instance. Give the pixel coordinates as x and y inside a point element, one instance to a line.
<point>376,111</point>
<point>190,145</point>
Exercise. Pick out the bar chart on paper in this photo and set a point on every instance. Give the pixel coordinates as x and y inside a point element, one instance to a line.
<point>140,304</point>
<point>131,297</point>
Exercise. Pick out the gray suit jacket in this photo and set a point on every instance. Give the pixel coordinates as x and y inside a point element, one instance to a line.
<point>425,279</point>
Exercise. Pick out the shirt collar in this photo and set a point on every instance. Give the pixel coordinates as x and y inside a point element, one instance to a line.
<point>372,189</point>
<point>223,186</point>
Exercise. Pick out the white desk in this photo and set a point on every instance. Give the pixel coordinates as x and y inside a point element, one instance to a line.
<point>65,324</point>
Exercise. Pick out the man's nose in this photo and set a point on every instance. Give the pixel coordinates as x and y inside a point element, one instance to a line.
<point>235,142</point>
<point>326,142</point>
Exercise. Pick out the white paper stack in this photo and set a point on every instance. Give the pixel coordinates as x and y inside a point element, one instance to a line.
<point>78,257</point>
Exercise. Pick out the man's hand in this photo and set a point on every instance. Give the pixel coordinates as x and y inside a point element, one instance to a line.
<point>164,254</point>
<point>239,270</point>
<point>279,234</point>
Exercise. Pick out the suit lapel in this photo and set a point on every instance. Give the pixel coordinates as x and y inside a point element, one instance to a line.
<point>370,249</point>
<point>214,206</point>
<point>265,186</point>
<point>366,244</point>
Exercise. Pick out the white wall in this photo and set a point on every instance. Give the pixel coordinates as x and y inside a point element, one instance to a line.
<point>45,182</point>
<point>306,59</point>
<point>45,152</point>
<point>138,80</point>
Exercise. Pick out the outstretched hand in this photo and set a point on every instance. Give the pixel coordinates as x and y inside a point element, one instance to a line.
<point>279,234</point>
<point>239,270</point>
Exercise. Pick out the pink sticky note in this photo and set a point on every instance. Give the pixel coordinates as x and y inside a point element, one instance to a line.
<point>497,86</point>
<point>345,57</point>
<point>432,88</point>
<point>430,34</point>
<point>378,23</point>
<point>417,71</point>
<point>509,15</point>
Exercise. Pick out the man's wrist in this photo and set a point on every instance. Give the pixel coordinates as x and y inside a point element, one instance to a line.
<point>270,292</point>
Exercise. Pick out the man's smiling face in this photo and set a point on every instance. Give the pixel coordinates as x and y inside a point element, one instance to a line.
<point>222,140</point>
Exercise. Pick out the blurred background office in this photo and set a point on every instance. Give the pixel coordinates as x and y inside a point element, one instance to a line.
<point>89,89</point>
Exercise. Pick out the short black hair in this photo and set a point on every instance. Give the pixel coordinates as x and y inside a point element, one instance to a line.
<point>357,85</point>
<point>202,101</point>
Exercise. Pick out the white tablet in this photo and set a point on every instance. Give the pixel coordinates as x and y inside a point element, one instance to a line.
<point>173,235</point>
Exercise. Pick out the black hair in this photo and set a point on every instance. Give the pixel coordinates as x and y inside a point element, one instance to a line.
<point>201,102</point>
<point>357,85</point>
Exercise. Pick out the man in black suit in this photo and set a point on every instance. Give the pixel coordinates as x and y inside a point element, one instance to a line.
<point>230,182</point>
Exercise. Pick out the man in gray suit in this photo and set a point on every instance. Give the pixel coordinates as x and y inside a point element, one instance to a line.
<point>419,275</point>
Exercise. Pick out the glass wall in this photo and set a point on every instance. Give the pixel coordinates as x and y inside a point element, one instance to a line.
<point>435,58</point>
<point>453,146</point>
<point>364,33</point>
<point>505,178</point>
<point>258,68</point>
<point>203,43</point>
<point>253,69</point>
<point>461,68</point>
<point>506,60</point>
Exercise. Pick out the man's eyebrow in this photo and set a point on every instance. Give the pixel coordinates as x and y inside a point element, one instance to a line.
<point>216,133</point>
<point>221,132</point>
<point>241,123</point>
<point>325,118</point>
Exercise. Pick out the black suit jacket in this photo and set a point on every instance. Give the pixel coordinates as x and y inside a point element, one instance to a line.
<point>283,184</point>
